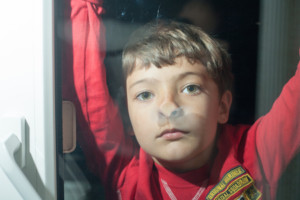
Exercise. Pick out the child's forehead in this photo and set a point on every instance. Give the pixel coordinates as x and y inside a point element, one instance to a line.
<point>181,62</point>
<point>181,70</point>
<point>181,65</point>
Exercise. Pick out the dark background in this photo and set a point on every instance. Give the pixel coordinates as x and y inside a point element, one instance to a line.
<point>238,27</point>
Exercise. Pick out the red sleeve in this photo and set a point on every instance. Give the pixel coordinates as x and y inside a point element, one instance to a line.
<point>278,132</point>
<point>84,82</point>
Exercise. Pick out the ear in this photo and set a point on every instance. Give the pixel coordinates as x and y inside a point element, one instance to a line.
<point>224,107</point>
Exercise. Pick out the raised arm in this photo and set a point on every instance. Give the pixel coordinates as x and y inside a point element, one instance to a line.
<point>84,82</point>
<point>278,132</point>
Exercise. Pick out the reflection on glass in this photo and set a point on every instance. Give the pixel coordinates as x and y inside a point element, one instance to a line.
<point>232,23</point>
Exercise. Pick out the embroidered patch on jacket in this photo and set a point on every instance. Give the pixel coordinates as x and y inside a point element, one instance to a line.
<point>251,193</point>
<point>236,185</point>
<point>227,178</point>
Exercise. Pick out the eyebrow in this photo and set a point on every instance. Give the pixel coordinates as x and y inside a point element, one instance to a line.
<point>145,80</point>
<point>180,76</point>
<point>183,75</point>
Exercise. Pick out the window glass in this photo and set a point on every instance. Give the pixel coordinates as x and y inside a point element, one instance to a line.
<point>235,24</point>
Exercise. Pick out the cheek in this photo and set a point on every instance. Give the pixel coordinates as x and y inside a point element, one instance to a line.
<point>140,120</point>
<point>203,106</point>
<point>143,129</point>
<point>201,113</point>
<point>201,123</point>
<point>209,106</point>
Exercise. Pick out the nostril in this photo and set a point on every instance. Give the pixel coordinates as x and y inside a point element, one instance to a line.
<point>173,116</point>
<point>168,107</point>
<point>176,113</point>
<point>161,115</point>
<point>162,119</point>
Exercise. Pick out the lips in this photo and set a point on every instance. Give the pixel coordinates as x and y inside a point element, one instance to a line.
<point>172,134</point>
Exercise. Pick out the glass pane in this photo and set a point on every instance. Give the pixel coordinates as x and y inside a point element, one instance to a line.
<point>92,35</point>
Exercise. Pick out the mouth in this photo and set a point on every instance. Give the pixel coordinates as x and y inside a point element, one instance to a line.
<point>172,134</point>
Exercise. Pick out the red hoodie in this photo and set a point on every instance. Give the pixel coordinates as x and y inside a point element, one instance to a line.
<point>249,159</point>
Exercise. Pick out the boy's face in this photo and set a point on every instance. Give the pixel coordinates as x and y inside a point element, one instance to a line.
<point>174,111</point>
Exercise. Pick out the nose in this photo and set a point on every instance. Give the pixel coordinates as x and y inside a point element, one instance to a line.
<point>169,106</point>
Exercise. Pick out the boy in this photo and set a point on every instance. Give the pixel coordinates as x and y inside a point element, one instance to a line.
<point>178,85</point>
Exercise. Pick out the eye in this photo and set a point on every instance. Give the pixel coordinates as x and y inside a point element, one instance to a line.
<point>192,89</point>
<point>144,96</point>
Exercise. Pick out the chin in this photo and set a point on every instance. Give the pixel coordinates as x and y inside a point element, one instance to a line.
<point>177,157</point>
